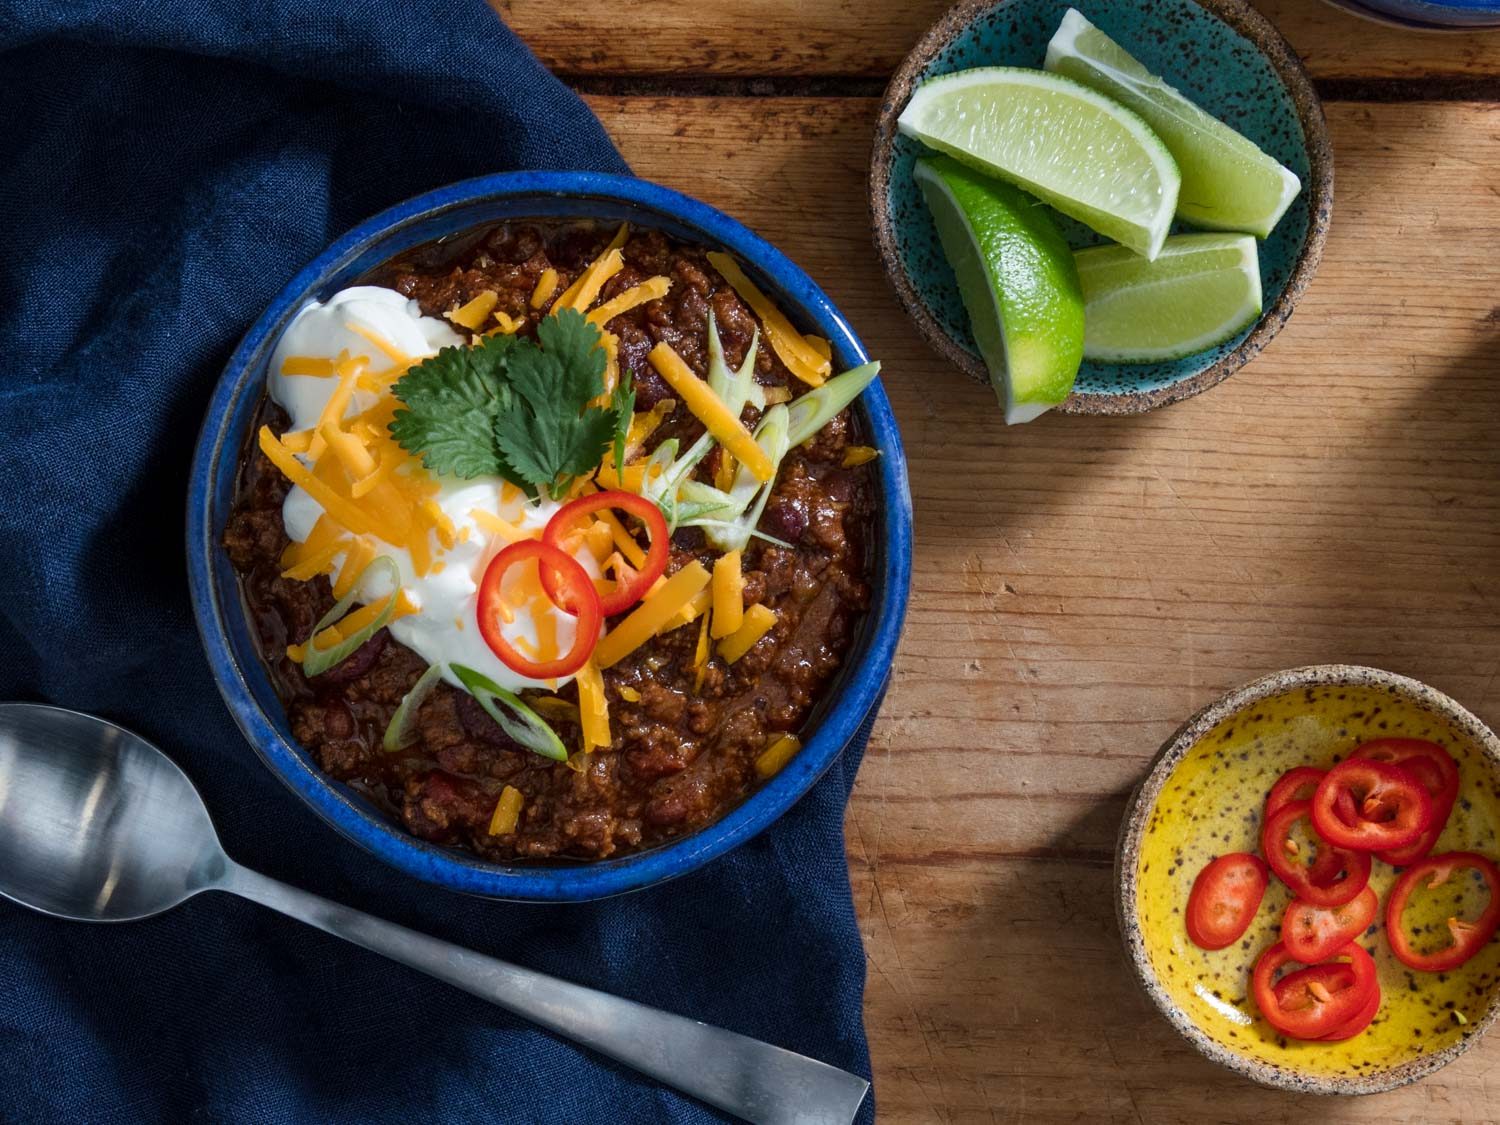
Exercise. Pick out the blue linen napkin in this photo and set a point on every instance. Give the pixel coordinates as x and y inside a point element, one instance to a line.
<point>166,167</point>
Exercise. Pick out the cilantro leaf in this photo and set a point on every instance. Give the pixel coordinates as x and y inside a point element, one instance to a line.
<point>450,401</point>
<point>515,408</point>
<point>575,342</point>
<point>623,406</point>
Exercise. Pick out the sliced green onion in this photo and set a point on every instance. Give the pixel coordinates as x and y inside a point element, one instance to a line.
<point>734,534</point>
<point>812,411</point>
<point>315,660</point>
<point>733,389</point>
<point>402,731</point>
<point>515,719</point>
<point>734,527</point>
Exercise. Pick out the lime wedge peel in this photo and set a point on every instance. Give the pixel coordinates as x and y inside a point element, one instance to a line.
<point>1202,290</point>
<point>1018,281</point>
<point>1228,183</point>
<point>1072,147</point>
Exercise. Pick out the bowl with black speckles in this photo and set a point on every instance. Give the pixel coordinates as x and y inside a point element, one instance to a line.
<point>1203,797</point>
<point>1226,57</point>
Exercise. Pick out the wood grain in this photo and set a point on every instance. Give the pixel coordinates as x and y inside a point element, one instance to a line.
<point>1083,584</point>
<point>867,38</point>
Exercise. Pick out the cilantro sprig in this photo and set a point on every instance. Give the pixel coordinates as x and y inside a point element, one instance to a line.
<point>515,408</point>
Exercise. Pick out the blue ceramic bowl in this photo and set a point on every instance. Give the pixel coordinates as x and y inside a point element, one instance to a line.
<point>1427,15</point>
<point>227,635</point>
<point>1221,53</point>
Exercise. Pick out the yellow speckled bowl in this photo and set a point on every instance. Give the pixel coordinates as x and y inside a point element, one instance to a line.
<point>1203,798</point>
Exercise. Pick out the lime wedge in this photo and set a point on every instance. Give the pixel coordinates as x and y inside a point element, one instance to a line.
<point>1018,282</point>
<point>1201,290</point>
<point>1088,156</point>
<point>1227,182</point>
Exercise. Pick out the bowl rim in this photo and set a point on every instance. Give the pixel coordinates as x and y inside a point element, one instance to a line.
<point>858,689</point>
<point>1133,825</point>
<point>1252,26</point>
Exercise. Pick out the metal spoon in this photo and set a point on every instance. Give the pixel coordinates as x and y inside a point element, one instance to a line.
<point>98,825</point>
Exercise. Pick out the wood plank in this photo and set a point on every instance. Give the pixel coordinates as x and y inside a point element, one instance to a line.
<point>1339,499</point>
<point>867,38</point>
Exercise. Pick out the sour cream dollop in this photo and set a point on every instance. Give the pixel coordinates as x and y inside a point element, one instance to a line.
<point>445,629</point>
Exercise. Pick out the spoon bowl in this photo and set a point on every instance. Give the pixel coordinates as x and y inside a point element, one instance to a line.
<point>98,825</point>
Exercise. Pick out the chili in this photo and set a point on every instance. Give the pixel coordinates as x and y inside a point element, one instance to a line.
<point>1390,806</point>
<point>1225,896</point>
<point>1435,768</point>
<point>1468,937</point>
<point>1295,785</point>
<point>1335,875</point>
<point>1319,1001</point>
<point>575,585</point>
<point>1312,933</point>
<point>631,585</point>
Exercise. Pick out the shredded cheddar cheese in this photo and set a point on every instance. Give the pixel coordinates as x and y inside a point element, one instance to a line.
<point>729,589</point>
<point>651,289</point>
<point>653,612</point>
<point>709,409</point>
<point>353,623</point>
<point>700,603</point>
<point>593,708</point>
<point>700,654</point>
<point>724,472</point>
<point>314,366</point>
<point>546,285</point>
<point>642,426</point>
<point>856,455</point>
<point>802,359</point>
<point>496,525</point>
<point>475,312</point>
<point>315,563</point>
<point>773,759</point>
<point>343,510</point>
<point>583,292</point>
<point>397,357</point>
<point>507,812</point>
<point>629,694</point>
<point>360,555</point>
<point>623,539</point>
<point>757,623</point>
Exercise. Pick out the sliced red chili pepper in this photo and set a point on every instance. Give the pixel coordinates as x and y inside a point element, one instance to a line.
<point>1468,937</point>
<point>1314,933</point>
<point>1225,896</point>
<point>1361,1021</point>
<point>1294,785</point>
<point>1329,877</point>
<point>1391,806</point>
<point>1318,1001</point>
<point>1435,768</point>
<point>575,584</point>
<point>631,586</point>
<point>1334,976</point>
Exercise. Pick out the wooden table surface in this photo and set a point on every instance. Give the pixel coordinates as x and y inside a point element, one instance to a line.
<point>1081,585</point>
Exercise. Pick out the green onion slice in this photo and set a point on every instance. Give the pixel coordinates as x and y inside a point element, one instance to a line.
<point>315,660</point>
<point>733,534</point>
<point>402,731</point>
<point>515,718</point>
<point>734,389</point>
<point>812,411</point>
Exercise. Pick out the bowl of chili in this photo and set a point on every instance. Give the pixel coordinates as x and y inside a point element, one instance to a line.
<point>248,679</point>
<point>1307,880</point>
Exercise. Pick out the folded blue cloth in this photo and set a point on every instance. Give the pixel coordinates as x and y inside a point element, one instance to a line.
<point>166,167</point>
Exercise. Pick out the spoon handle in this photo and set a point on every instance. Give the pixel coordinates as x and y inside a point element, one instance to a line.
<point>751,1079</point>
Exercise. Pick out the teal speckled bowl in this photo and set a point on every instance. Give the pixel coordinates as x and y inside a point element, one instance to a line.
<point>1221,53</point>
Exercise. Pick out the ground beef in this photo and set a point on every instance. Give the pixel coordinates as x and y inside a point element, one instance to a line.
<point>684,750</point>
